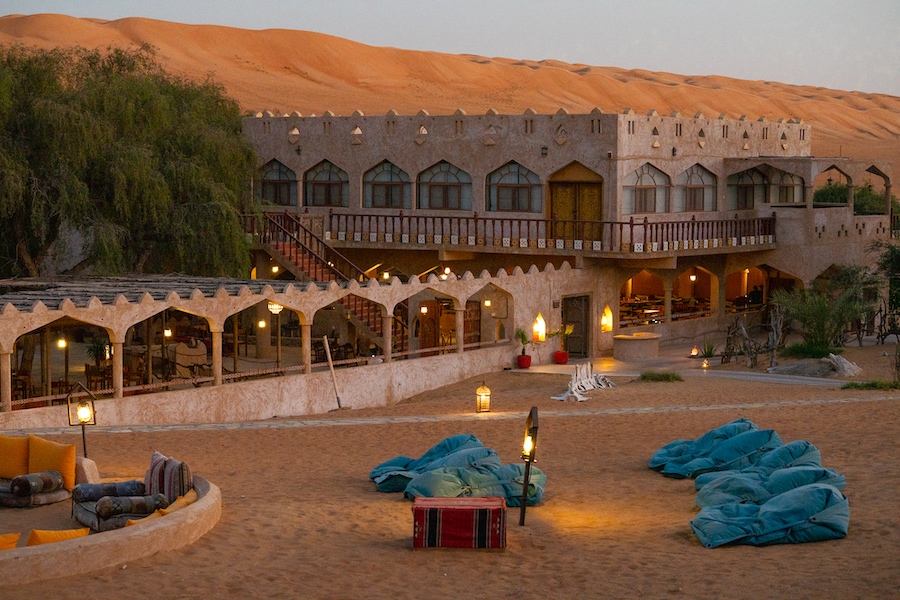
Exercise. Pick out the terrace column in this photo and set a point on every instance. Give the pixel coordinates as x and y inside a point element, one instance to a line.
<point>460,329</point>
<point>808,195</point>
<point>387,325</point>
<point>5,382</point>
<point>850,195</point>
<point>719,307</point>
<point>887,200</point>
<point>306,346</point>
<point>667,299</point>
<point>216,355</point>
<point>118,357</point>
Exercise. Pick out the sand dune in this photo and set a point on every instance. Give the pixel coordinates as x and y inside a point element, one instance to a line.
<point>285,70</point>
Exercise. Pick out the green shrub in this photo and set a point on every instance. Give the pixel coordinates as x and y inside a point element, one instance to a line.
<point>808,350</point>
<point>871,385</point>
<point>660,376</point>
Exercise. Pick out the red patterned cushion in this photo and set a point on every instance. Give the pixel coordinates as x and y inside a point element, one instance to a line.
<point>168,476</point>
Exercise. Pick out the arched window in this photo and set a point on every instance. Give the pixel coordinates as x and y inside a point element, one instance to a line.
<point>790,187</point>
<point>278,184</point>
<point>695,190</point>
<point>387,186</point>
<point>644,190</point>
<point>745,189</point>
<point>514,188</point>
<point>326,185</point>
<point>445,187</point>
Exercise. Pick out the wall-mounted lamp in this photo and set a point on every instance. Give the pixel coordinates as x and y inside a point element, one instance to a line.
<point>606,319</point>
<point>81,412</point>
<point>261,324</point>
<point>693,278</point>
<point>539,329</point>
<point>61,343</point>
<point>483,399</point>
<point>423,309</point>
<point>529,449</point>
<point>487,303</point>
<point>275,269</point>
<point>386,275</point>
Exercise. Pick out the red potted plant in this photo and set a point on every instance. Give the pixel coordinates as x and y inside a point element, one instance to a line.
<point>561,356</point>
<point>523,361</point>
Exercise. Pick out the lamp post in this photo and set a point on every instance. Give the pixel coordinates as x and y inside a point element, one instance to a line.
<point>529,448</point>
<point>81,411</point>
<point>276,309</point>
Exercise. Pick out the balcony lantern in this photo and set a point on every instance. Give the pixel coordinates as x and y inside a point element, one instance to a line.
<point>483,399</point>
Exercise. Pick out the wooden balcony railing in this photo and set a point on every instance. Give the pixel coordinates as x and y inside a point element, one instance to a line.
<point>638,234</point>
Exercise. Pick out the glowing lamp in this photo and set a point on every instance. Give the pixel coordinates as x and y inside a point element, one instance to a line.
<point>261,324</point>
<point>529,447</point>
<point>695,352</point>
<point>385,275</point>
<point>167,332</point>
<point>423,310</point>
<point>693,278</point>
<point>487,303</point>
<point>539,329</point>
<point>275,308</point>
<point>705,363</point>
<point>483,399</point>
<point>61,343</point>
<point>275,269</point>
<point>81,412</point>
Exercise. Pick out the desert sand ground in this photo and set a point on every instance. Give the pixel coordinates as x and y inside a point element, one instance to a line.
<point>302,520</point>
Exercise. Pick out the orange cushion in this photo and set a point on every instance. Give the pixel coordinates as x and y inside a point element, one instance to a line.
<point>44,455</point>
<point>154,515</point>
<point>180,502</point>
<point>13,456</point>
<point>47,536</point>
<point>8,541</point>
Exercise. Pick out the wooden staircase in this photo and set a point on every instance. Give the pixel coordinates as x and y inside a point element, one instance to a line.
<point>284,237</point>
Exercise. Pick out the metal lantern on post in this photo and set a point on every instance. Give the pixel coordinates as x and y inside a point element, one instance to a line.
<point>483,399</point>
<point>81,411</point>
<point>529,448</point>
<point>276,309</point>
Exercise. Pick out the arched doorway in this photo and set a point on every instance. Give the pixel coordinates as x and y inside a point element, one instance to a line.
<point>576,205</point>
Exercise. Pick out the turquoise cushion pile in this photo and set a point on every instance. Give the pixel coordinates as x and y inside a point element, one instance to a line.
<point>754,489</point>
<point>459,465</point>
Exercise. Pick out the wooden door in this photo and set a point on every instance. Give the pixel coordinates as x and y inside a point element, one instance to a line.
<point>576,312</point>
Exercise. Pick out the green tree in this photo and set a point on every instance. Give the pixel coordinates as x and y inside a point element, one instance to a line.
<point>825,310</point>
<point>866,201</point>
<point>887,265</point>
<point>150,170</point>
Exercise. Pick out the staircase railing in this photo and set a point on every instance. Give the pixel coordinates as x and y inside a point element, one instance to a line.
<point>320,262</point>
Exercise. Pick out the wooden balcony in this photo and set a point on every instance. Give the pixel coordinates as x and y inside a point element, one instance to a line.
<point>638,235</point>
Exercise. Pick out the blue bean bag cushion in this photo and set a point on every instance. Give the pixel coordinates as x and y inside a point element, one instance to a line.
<point>463,450</point>
<point>753,487</point>
<point>738,452</point>
<point>685,450</point>
<point>798,453</point>
<point>506,481</point>
<point>809,513</point>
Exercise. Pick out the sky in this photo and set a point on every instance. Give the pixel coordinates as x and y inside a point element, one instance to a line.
<point>839,44</point>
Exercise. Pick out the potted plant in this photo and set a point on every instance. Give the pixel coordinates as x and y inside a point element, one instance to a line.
<point>96,349</point>
<point>561,356</point>
<point>523,361</point>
